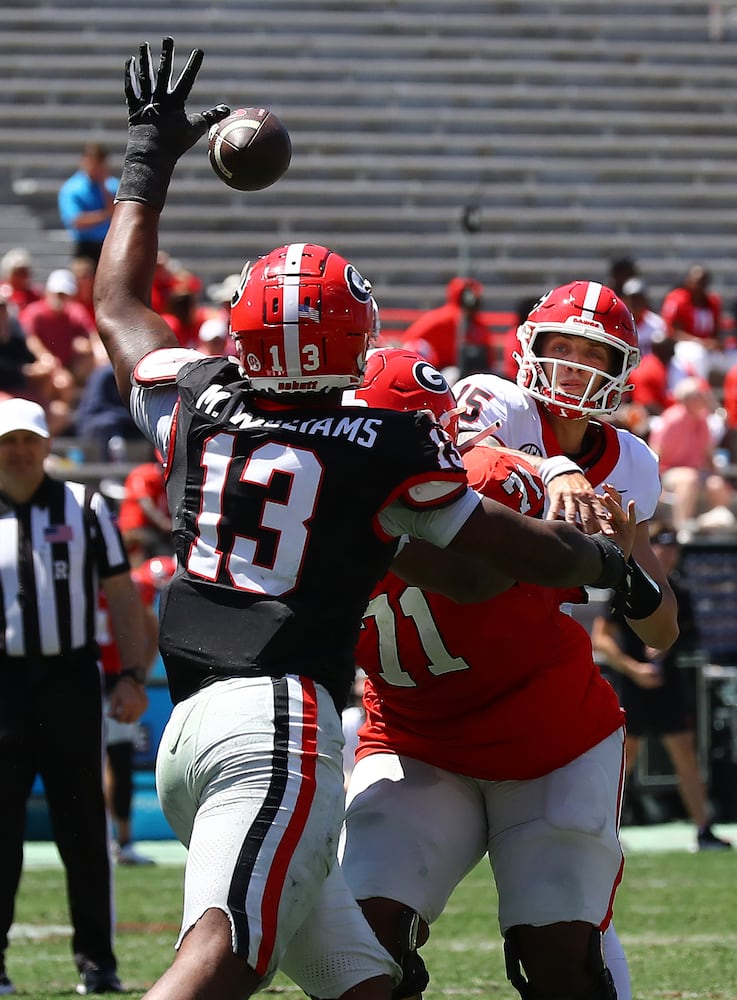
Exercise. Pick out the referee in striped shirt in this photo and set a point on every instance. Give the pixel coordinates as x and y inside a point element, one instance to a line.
<point>58,542</point>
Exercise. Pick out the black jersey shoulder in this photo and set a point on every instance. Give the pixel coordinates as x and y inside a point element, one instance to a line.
<point>217,393</point>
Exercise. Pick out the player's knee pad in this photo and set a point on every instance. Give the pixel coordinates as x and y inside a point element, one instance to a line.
<point>414,974</point>
<point>603,988</point>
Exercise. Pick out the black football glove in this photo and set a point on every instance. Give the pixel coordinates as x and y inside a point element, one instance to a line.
<point>159,129</point>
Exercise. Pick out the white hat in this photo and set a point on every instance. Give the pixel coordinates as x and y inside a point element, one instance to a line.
<point>62,282</point>
<point>214,328</point>
<point>633,286</point>
<point>225,290</point>
<point>13,260</point>
<point>22,415</point>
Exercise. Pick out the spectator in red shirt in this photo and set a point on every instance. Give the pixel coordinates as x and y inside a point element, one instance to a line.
<point>692,312</point>
<point>455,331</point>
<point>83,269</point>
<point>184,314</point>
<point>650,380</point>
<point>16,278</point>
<point>144,519</point>
<point>58,324</point>
<point>164,281</point>
<point>684,443</point>
<point>213,338</point>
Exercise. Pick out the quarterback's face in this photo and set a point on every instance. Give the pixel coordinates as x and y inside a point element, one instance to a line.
<point>571,352</point>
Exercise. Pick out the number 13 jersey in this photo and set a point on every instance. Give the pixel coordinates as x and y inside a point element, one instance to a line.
<point>278,526</point>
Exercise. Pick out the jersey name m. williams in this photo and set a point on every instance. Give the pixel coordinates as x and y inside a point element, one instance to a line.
<point>359,429</point>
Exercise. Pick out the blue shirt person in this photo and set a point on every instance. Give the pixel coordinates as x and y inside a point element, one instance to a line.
<point>86,201</point>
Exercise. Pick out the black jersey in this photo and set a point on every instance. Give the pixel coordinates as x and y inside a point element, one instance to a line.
<point>276,529</point>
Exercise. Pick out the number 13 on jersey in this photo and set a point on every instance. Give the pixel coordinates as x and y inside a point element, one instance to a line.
<point>287,519</point>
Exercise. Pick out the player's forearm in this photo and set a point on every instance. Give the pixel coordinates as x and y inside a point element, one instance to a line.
<point>551,553</point>
<point>660,630</point>
<point>462,578</point>
<point>129,329</point>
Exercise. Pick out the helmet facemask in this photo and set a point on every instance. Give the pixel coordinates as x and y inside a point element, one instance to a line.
<point>612,326</point>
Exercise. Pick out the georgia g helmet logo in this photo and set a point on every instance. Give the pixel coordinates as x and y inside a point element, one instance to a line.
<point>430,378</point>
<point>358,286</point>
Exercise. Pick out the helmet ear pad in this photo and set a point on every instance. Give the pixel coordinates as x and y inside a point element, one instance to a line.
<point>588,310</point>
<point>302,321</point>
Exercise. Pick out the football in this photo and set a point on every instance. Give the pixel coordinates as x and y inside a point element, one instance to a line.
<point>250,149</point>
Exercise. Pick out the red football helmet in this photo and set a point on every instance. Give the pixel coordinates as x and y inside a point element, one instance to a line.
<point>301,320</point>
<point>396,379</point>
<point>579,309</point>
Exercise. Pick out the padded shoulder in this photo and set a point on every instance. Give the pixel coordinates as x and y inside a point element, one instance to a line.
<point>161,367</point>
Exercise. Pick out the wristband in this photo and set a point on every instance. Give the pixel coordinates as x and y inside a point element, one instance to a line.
<point>638,595</point>
<point>613,564</point>
<point>556,465</point>
<point>135,674</point>
<point>147,168</point>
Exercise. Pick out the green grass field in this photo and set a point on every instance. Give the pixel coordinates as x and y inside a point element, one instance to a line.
<point>676,914</point>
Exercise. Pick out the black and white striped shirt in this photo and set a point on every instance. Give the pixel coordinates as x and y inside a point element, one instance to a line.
<point>53,551</point>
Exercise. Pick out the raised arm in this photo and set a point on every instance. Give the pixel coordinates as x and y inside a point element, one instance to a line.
<point>159,133</point>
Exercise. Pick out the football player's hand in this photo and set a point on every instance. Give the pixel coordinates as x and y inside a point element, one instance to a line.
<point>159,107</point>
<point>159,129</point>
<point>619,524</point>
<point>127,701</point>
<point>573,498</point>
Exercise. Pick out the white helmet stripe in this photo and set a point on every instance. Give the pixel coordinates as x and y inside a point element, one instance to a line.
<point>591,299</point>
<point>290,306</point>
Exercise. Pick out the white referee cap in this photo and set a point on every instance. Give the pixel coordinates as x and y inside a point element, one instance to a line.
<point>22,415</point>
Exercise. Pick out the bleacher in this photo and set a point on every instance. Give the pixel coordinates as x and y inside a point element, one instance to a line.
<point>582,129</point>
